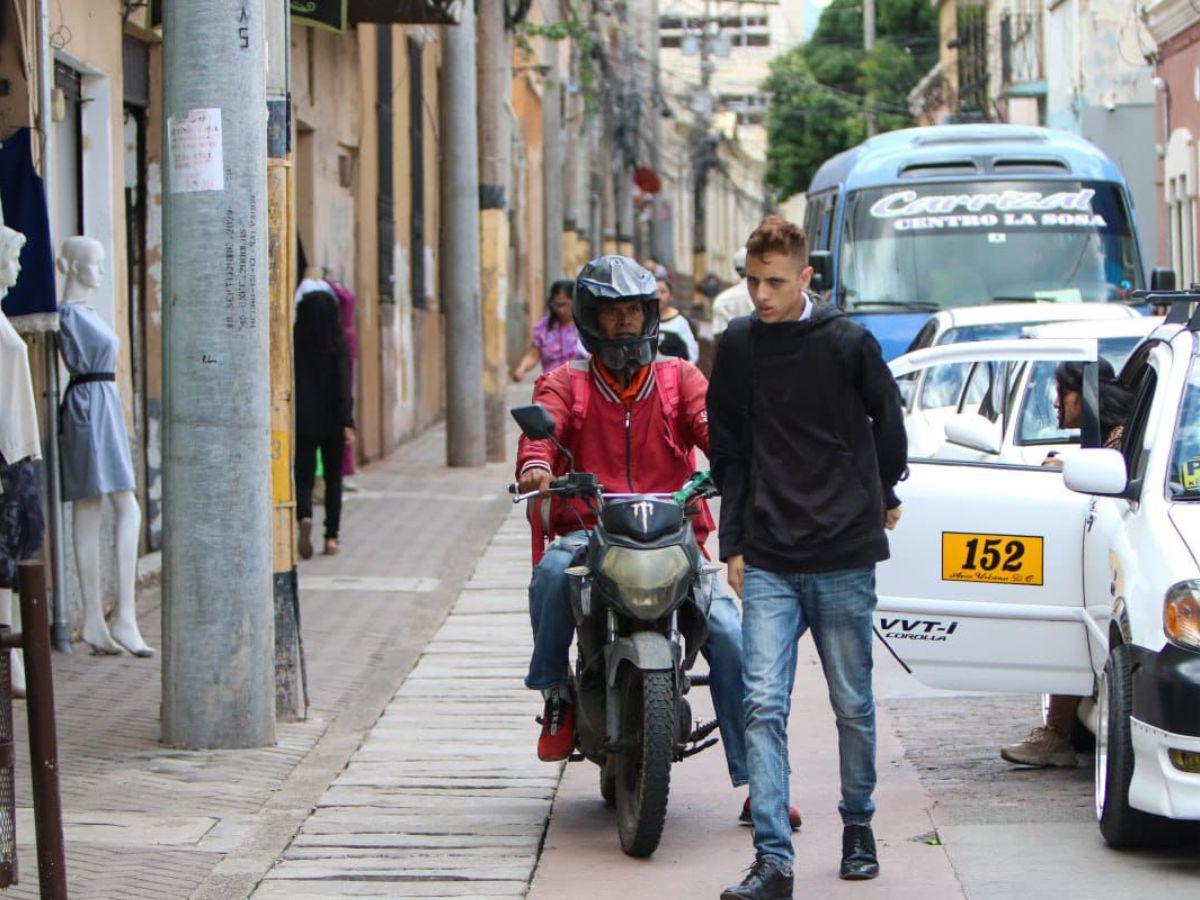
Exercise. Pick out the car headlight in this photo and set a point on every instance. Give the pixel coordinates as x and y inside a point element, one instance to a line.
<point>1181,615</point>
<point>645,580</point>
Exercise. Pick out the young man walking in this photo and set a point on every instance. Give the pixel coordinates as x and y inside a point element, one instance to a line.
<point>807,443</point>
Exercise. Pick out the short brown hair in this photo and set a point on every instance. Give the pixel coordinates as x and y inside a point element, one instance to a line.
<point>776,234</point>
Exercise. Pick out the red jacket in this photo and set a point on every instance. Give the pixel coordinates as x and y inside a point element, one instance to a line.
<point>649,450</point>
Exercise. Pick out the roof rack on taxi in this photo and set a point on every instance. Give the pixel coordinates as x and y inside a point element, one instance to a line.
<point>1180,305</point>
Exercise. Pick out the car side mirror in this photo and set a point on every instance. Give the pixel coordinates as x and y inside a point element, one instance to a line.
<point>1096,471</point>
<point>534,421</point>
<point>1162,278</point>
<point>974,431</point>
<point>822,265</point>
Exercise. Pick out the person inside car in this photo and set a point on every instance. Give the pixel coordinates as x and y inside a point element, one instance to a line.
<point>1051,744</point>
<point>635,422</point>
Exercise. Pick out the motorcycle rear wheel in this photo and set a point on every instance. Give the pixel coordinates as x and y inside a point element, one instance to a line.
<point>643,780</point>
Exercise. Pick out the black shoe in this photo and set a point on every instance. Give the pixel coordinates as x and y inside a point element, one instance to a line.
<point>766,880</point>
<point>859,862</point>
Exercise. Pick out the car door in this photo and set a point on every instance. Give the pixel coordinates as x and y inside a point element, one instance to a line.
<point>1111,560</point>
<point>984,588</point>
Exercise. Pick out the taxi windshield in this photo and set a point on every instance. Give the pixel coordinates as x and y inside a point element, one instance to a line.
<point>938,245</point>
<point>1183,477</point>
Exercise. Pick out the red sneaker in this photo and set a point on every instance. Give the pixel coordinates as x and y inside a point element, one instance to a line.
<point>558,730</point>
<point>793,815</point>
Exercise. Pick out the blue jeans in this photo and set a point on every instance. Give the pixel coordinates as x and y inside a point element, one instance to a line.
<point>554,628</point>
<point>778,608</point>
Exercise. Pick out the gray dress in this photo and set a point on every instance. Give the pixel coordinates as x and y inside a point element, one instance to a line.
<point>93,441</point>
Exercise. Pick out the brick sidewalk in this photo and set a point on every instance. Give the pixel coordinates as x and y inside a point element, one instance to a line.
<point>146,821</point>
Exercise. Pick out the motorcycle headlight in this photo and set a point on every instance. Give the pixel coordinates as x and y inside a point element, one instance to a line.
<point>1181,615</point>
<point>645,580</point>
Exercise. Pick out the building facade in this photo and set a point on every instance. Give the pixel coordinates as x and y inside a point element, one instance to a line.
<point>1175,27</point>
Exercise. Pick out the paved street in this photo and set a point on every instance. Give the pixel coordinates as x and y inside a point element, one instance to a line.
<point>419,627</point>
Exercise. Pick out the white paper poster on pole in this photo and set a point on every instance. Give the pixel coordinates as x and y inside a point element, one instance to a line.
<point>197,156</point>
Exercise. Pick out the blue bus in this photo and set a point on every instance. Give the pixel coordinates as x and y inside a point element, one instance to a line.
<point>918,220</point>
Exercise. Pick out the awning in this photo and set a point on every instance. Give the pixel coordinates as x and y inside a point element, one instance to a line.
<point>337,14</point>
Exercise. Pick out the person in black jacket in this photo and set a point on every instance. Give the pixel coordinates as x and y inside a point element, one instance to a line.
<point>324,412</point>
<point>807,443</point>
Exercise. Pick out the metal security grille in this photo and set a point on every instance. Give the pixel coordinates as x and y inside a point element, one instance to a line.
<point>1021,48</point>
<point>972,62</point>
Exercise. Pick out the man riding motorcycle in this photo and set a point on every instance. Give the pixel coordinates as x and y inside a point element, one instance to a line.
<point>634,422</point>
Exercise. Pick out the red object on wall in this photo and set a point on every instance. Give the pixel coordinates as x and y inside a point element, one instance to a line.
<point>647,179</point>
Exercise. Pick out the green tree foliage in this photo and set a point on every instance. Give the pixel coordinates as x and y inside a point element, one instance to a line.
<point>819,89</point>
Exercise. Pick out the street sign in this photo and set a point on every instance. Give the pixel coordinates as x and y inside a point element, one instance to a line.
<point>329,14</point>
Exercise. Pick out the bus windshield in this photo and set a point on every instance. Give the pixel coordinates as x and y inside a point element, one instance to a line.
<point>931,246</point>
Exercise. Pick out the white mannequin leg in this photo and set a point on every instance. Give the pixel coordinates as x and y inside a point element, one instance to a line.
<point>10,614</point>
<point>124,621</point>
<point>87,561</point>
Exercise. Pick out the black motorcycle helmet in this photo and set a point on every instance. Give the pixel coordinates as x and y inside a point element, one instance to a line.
<point>607,279</point>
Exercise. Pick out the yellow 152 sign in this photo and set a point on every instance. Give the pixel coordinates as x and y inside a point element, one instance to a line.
<point>993,558</point>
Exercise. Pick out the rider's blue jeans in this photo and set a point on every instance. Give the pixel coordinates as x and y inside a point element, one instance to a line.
<point>554,629</point>
<point>777,609</point>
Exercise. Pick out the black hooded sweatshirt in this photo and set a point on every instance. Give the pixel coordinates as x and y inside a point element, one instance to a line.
<point>806,443</point>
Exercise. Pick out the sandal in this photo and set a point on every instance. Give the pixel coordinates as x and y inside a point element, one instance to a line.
<point>332,547</point>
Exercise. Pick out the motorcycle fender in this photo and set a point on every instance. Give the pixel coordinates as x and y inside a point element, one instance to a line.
<point>645,650</point>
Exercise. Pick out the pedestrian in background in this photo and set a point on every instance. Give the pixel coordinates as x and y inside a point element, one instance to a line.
<point>324,412</point>
<point>347,303</point>
<point>673,327</point>
<point>732,302</point>
<point>806,442</point>
<point>555,339</point>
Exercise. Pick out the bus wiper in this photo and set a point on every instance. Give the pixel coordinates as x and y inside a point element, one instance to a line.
<point>914,306</point>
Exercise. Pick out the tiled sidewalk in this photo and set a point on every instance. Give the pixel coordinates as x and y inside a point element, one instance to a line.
<point>146,821</point>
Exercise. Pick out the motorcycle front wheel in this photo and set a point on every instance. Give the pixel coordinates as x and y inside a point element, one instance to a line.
<point>648,711</point>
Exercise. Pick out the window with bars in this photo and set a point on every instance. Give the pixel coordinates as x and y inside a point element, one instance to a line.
<point>971,42</point>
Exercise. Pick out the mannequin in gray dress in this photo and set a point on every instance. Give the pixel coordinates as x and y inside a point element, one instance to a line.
<point>94,445</point>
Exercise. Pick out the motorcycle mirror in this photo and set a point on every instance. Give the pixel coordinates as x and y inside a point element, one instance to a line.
<point>534,421</point>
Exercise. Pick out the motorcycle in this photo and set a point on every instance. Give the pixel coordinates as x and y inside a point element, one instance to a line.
<point>640,593</point>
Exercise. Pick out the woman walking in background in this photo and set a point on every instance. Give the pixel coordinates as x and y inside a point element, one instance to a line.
<point>555,340</point>
<point>324,412</point>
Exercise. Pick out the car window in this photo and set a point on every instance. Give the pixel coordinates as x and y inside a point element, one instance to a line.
<point>943,385</point>
<point>924,337</point>
<point>1143,380</point>
<point>979,384</point>
<point>1038,419</point>
<point>1183,478</point>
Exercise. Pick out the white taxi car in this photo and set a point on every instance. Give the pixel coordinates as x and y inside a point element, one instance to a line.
<point>1012,577</point>
<point>1006,412</point>
<point>931,395</point>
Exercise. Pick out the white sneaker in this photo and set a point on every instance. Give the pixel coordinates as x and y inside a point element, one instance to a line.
<point>1043,747</point>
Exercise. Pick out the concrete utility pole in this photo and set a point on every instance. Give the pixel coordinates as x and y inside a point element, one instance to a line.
<point>465,425</point>
<point>495,80</point>
<point>868,46</point>
<point>552,155</point>
<point>290,692</point>
<point>218,616</point>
